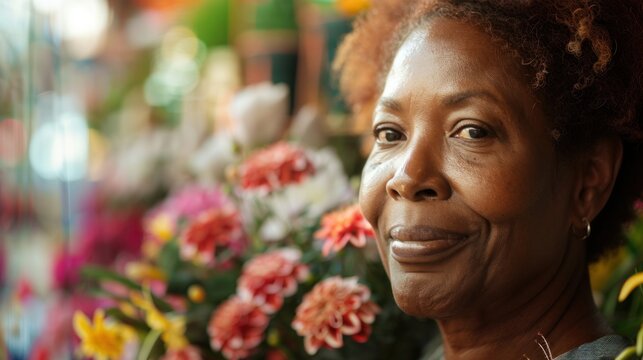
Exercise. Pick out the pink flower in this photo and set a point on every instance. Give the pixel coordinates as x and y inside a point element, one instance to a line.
<point>275,167</point>
<point>108,233</point>
<point>215,230</point>
<point>269,278</point>
<point>333,308</point>
<point>186,204</point>
<point>340,227</point>
<point>66,269</point>
<point>236,328</point>
<point>186,353</point>
<point>191,201</point>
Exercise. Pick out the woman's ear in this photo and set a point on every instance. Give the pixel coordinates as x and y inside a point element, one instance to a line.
<point>598,173</point>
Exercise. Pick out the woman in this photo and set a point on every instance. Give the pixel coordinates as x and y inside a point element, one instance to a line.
<point>507,157</point>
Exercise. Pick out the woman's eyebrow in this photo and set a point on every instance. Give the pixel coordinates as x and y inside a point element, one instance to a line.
<point>390,104</point>
<point>458,98</point>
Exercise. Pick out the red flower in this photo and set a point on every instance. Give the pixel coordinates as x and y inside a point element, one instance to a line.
<point>212,230</point>
<point>274,167</point>
<point>333,308</point>
<point>344,226</point>
<point>269,278</point>
<point>186,353</point>
<point>236,328</point>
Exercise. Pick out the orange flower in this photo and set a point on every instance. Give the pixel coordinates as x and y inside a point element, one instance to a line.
<point>344,226</point>
<point>333,308</point>
<point>352,7</point>
<point>275,167</point>
<point>236,328</point>
<point>269,278</point>
<point>186,353</point>
<point>214,229</point>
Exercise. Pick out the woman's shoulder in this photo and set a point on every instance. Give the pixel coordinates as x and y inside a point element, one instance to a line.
<point>606,347</point>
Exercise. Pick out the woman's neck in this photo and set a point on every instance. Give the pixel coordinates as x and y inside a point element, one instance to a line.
<point>559,317</point>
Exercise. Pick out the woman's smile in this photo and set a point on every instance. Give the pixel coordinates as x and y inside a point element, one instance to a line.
<point>414,245</point>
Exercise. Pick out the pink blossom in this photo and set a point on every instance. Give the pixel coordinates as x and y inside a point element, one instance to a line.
<point>236,328</point>
<point>275,167</point>
<point>333,308</point>
<point>344,226</point>
<point>268,278</point>
<point>218,230</point>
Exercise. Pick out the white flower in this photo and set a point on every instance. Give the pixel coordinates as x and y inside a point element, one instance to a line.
<point>301,204</point>
<point>260,114</point>
<point>308,128</point>
<point>211,159</point>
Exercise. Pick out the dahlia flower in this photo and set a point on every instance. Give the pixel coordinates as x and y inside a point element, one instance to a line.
<point>275,167</point>
<point>343,226</point>
<point>269,278</point>
<point>236,328</point>
<point>214,230</point>
<point>333,308</point>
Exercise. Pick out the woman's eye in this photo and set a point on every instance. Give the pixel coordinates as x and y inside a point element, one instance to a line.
<point>388,135</point>
<point>472,133</point>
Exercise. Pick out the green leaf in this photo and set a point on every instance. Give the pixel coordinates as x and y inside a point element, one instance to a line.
<point>628,353</point>
<point>101,274</point>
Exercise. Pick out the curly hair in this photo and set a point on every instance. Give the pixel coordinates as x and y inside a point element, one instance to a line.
<point>585,59</point>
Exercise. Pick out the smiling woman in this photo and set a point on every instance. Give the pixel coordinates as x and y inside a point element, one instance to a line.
<point>505,131</point>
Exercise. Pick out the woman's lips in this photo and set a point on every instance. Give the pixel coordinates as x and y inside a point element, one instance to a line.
<point>422,244</point>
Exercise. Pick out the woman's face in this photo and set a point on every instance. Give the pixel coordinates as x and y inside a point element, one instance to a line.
<point>470,206</point>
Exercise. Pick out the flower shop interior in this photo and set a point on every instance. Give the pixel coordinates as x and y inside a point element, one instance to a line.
<point>179,179</point>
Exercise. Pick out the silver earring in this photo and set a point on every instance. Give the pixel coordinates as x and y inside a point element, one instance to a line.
<point>588,230</point>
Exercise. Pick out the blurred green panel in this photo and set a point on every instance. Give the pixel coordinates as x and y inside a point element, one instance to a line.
<point>210,22</point>
<point>276,14</point>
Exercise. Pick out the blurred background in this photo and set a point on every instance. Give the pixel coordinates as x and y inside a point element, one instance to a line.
<point>107,107</point>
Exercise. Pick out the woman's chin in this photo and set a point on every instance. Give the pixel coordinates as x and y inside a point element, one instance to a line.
<point>431,295</point>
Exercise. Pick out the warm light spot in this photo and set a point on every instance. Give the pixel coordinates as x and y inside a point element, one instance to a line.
<point>12,142</point>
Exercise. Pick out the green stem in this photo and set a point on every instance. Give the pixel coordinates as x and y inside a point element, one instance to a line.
<point>148,344</point>
<point>639,342</point>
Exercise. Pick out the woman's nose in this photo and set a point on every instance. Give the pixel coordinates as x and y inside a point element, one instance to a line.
<point>418,178</point>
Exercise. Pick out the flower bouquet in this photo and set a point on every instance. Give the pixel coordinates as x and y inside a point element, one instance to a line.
<point>276,262</point>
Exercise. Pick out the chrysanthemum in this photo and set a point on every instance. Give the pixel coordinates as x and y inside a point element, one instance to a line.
<point>268,278</point>
<point>100,340</point>
<point>236,328</point>
<point>333,308</point>
<point>340,227</point>
<point>216,230</point>
<point>275,167</point>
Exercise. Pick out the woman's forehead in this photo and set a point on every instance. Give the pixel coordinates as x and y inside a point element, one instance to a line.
<point>453,60</point>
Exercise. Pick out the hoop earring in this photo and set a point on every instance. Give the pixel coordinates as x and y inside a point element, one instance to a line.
<point>588,228</point>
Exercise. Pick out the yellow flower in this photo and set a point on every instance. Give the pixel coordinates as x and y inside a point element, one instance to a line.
<point>600,272</point>
<point>161,227</point>
<point>151,248</point>
<point>140,271</point>
<point>352,7</point>
<point>101,340</point>
<point>629,285</point>
<point>172,327</point>
<point>196,293</point>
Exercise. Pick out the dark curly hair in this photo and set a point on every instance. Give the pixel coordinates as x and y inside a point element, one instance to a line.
<point>585,59</point>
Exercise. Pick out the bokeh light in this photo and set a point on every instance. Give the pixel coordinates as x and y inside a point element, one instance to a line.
<point>59,149</point>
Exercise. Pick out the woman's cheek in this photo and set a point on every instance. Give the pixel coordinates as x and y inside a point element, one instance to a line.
<point>372,194</point>
<point>494,189</point>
